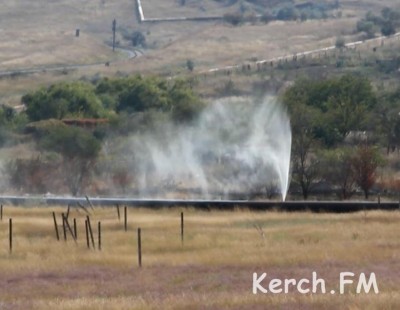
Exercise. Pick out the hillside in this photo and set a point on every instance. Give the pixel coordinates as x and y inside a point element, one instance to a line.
<point>42,34</point>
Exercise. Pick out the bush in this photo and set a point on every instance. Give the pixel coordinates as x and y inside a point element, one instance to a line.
<point>233,18</point>
<point>138,39</point>
<point>76,99</point>
<point>287,13</point>
<point>154,94</point>
<point>42,128</point>
<point>367,27</point>
<point>388,29</point>
<point>190,65</point>
<point>340,43</point>
<point>267,17</point>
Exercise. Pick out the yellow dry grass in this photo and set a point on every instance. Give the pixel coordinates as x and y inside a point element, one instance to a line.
<point>213,268</point>
<point>37,33</point>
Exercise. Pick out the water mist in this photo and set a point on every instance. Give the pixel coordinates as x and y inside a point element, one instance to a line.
<point>237,146</point>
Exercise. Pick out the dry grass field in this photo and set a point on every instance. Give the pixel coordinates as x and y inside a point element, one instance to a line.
<point>37,33</point>
<point>212,270</point>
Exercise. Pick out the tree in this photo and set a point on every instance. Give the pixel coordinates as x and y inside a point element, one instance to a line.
<point>351,99</point>
<point>344,104</point>
<point>389,122</point>
<point>144,93</point>
<point>234,19</point>
<point>366,26</point>
<point>305,163</point>
<point>122,179</point>
<point>388,28</point>
<point>78,150</point>
<point>287,13</point>
<point>364,165</point>
<point>29,175</point>
<point>337,169</point>
<point>185,104</point>
<point>76,99</point>
<point>267,17</point>
<point>150,93</point>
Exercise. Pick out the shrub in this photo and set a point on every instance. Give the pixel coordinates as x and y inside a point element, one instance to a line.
<point>233,18</point>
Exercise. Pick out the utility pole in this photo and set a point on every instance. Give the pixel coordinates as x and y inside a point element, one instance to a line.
<point>114,26</point>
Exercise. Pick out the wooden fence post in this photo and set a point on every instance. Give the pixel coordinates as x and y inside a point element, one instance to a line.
<point>56,226</point>
<point>67,215</point>
<point>87,234</point>
<point>182,226</point>
<point>75,229</point>
<point>69,228</point>
<point>90,231</point>
<point>119,215</point>
<point>10,235</point>
<point>139,235</point>
<point>64,226</point>
<point>99,234</point>
<point>126,218</point>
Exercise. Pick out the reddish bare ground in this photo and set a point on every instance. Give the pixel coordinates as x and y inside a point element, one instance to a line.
<point>157,283</point>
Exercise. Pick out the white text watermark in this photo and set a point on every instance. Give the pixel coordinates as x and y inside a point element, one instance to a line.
<point>363,283</point>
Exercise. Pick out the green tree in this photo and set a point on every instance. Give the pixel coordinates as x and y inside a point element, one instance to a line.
<point>144,93</point>
<point>78,150</point>
<point>344,103</point>
<point>366,26</point>
<point>387,120</point>
<point>176,98</point>
<point>350,103</point>
<point>305,163</point>
<point>388,28</point>
<point>76,99</point>
<point>186,105</point>
<point>336,165</point>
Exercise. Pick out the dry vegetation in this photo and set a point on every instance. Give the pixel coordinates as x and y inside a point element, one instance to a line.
<point>212,270</point>
<point>43,34</point>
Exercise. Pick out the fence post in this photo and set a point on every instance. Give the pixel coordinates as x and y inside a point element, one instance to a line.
<point>139,235</point>
<point>182,226</point>
<point>56,226</point>
<point>64,226</point>
<point>75,229</point>
<point>10,234</point>
<point>119,215</point>
<point>99,234</point>
<point>87,234</point>
<point>69,228</point>
<point>125,218</point>
<point>90,231</point>
<point>1,213</point>
<point>68,209</point>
